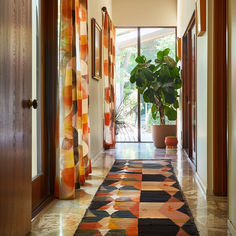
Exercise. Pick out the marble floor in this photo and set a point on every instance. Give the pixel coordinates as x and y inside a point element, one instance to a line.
<point>62,217</point>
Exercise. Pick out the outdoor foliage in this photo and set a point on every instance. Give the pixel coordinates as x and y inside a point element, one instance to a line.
<point>158,82</point>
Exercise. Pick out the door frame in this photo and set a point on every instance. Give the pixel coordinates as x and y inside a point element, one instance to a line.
<point>49,71</point>
<point>187,90</point>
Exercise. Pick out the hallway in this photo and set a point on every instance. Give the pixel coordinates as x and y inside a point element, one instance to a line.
<point>63,217</point>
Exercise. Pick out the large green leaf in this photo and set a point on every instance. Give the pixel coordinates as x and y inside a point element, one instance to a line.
<point>132,79</point>
<point>175,72</point>
<point>166,52</point>
<point>176,104</point>
<point>170,61</point>
<point>152,67</point>
<point>164,73</point>
<point>140,59</point>
<point>169,97</point>
<point>160,55</point>
<point>178,83</point>
<point>148,74</point>
<point>148,95</point>
<point>134,70</point>
<point>170,113</point>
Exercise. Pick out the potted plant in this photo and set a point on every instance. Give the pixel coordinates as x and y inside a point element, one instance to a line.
<point>159,82</point>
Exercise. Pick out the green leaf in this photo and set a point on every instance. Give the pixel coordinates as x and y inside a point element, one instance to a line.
<point>176,104</point>
<point>132,79</point>
<point>157,67</point>
<point>170,61</point>
<point>152,67</point>
<point>178,83</point>
<point>154,112</point>
<point>143,88</point>
<point>160,55</point>
<point>145,97</point>
<point>177,59</point>
<point>148,95</point>
<point>148,75</point>
<point>164,73</point>
<point>175,73</point>
<point>140,59</point>
<point>169,97</point>
<point>166,52</point>
<point>170,113</point>
<point>134,70</point>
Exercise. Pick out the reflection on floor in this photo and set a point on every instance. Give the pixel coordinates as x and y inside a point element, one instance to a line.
<point>63,217</point>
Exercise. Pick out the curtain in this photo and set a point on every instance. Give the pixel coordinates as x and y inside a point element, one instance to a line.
<point>109,81</point>
<point>72,161</point>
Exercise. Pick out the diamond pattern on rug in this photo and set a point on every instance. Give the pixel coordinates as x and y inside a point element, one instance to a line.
<point>138,197</point>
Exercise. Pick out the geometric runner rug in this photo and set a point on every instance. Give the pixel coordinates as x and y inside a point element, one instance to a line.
<point>138,197</point>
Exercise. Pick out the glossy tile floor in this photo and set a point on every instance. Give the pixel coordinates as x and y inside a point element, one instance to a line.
<point>62,217</point>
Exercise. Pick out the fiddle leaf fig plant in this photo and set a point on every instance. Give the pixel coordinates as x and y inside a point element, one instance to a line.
<point>158,82</point>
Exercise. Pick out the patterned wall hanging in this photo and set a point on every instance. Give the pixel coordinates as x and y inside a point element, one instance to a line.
<point>72,163</point>
<point>109,80</point>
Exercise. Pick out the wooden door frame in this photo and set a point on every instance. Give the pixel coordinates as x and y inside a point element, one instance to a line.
<point>220,141</point>
<point>50,73</point>
<point>186,73</point>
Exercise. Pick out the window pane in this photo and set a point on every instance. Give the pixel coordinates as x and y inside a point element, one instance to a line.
<point>126,93</point>
<point>153,40</point>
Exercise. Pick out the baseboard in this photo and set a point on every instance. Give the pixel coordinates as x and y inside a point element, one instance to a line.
<point>200,184</point>
<point>231,228</point>
<point>94,159</point>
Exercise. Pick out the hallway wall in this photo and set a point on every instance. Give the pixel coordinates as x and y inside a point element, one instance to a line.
<point>139,13</point>
<point>232,115</point>
<point>96,99</point>
<point>204,89</point>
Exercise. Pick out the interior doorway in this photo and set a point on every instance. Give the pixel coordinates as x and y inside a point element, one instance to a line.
<point>133,116</point>
<point>189,91</point>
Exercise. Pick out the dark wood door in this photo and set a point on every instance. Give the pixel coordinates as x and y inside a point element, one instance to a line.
<point>15,119</point>
<point>189,91</point>
<point>193,94</point>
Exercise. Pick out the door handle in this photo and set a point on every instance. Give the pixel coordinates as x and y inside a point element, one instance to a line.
<point>33,103</point>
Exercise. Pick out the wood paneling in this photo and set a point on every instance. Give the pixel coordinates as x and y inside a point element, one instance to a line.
<point>219,100</point>
<point>15,121</point>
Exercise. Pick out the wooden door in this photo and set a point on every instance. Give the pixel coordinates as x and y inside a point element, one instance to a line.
<point>189,91</point>
<point>15,117</point>
<point>193,94</point>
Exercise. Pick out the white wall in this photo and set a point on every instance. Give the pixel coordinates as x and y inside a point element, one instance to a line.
<point>185,10</point>
<point>144,13</point>
<point>96,98</point>
<point>232,115</point>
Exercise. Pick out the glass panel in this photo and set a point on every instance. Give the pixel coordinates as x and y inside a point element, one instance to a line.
<point>126,93</point>
<point>36,88</point>
<point>151,41</point>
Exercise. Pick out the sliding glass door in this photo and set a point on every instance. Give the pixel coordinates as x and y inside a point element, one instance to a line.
<point>133,116</point>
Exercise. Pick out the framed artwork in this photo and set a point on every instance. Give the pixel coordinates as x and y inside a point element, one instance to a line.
<point>201,17</point>
<point>96,50</point>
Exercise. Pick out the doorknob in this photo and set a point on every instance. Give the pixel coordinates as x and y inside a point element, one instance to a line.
<point>33,103</point>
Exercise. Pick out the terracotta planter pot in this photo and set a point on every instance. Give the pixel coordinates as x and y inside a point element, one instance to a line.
<point>159,132</point>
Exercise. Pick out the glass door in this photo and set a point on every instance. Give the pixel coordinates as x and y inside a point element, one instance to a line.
<point>133,116</point>
<point>153,40</point>
<point>126,93</point>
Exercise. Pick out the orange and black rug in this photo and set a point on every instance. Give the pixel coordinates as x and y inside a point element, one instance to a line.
<point>138,197</point>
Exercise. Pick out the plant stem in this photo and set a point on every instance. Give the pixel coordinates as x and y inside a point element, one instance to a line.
<point>162,115</point>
